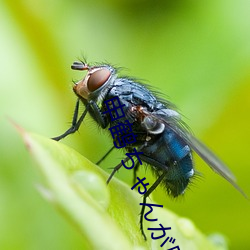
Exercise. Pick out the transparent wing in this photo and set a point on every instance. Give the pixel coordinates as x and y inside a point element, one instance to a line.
<point>174,123</point>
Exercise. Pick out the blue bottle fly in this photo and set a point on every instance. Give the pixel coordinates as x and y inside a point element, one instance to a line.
<point>161,136</point>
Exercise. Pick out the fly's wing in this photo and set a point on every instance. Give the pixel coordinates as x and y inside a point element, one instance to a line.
<point>175,124</point>
<point>212,160</point>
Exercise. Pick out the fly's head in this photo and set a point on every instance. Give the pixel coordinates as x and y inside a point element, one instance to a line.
<point>96,79</point>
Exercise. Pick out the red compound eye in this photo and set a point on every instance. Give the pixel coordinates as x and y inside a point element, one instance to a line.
<point>97,79</point>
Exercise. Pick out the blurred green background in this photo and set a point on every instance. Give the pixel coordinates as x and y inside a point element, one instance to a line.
<point>196,52</point>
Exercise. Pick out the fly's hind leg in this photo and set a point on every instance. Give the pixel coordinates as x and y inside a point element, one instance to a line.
<point>135,171</point>
<point>150,190</point>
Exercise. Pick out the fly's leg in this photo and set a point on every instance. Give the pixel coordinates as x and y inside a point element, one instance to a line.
<point>135,170</point>
<point>150,190</point>
<point>100,118</point>
<point>75,124</point>
<point>116,169</point>
<point>105,155</point>
<point>119,166</point>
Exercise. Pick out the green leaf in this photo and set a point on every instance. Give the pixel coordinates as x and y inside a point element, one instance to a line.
<point>106,215</point>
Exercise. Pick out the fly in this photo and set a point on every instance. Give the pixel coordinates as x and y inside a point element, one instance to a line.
<point>162,137</point>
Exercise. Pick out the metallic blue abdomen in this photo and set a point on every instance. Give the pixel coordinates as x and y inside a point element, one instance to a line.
<point>171,155</point>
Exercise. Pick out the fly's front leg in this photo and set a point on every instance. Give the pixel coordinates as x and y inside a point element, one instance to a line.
<point>75,124</point>
<point>99,117</point>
